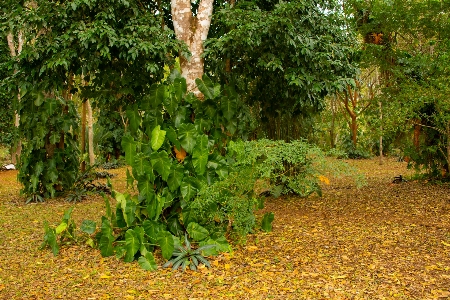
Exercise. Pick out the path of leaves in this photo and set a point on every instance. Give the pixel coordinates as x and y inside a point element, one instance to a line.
<point>383,241</point>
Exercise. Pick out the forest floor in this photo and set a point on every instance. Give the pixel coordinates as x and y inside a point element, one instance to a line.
<point>382,241</point>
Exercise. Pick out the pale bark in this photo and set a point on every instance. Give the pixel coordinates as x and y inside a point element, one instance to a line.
<point>90,134</point>
<point>193,31</point>
<point>381,132</point>
<point>17,147</point>
<point>83,135</point>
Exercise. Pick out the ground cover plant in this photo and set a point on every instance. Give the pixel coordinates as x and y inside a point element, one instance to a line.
<point>383,241</point>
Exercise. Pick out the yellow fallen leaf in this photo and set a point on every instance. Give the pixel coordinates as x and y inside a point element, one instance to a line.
<point>131,291</point>
<point>86,277</point>
<point>445,244</point>
<point>339,277</point>
<point>227,266</point>
<point>252,248</point>
<point>104,276</point>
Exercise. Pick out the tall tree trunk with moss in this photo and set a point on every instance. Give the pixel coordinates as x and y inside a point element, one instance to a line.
<point>16,148</point>
<point>193,30</point>
<point>83,135</point>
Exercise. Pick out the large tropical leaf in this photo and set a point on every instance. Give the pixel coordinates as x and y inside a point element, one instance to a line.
<point>151,100</point>
<point>188,188</point>
<point>158,137</point>
<point>88,226</point>
<point>134,118</point>
<point>132,245</point>
<point>161,163</point>
<point>228,107</point>
<point>141,165</point>
<point>187,134</point>
<point>106,239</point>
<point>147,262</point>
<point>165,241</point>
<point>200,159</point>
<point>152,228</point>
<point>197,232</point>
<point>175,177</point>
<point>129,146</point>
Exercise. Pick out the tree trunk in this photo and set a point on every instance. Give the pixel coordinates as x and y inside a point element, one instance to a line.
<point>381,133</point>
<point>83,136</point>
<point>354,129</point>
<point>90,134</point>
<point>416,138</point>
<point>333,122</point>
<point>193,31</point>
<point>17,146</point>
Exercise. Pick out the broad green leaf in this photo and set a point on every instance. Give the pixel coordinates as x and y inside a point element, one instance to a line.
<point>161,163</point>
<point>132,245</point>
<point>228,107</point>
<point>187,134</point>
<point>171,105</point>
<point>188,188</point>
<point>67,214</point>
<point>203,125</point>
<point>141,165</point>
<point>221,244</point>
<point>145,186</point>
<point>180,88</point>
<point>130,180</point>
<point>158,137</point>
<point>88,226</point>
<point>151,101</point>
<point>180,116</point>
<point>152,228</point>
<point>50,106</point>
<point>50,239</point>
<point>206,86</point>
<point>129,146</point>
<point>107,238</point>
<point>172,136</point>
<point>134,118</point>
<point>174,226</point>
<point>209,108</point>
<point>148,262</point>
<point>200,159</point>
<point>61,227</point>
<point>266,223</point>
<point>197,232</point>
<point>165,241</point>
<point>155,204</point>
<point>175,177</point>
<point>39,99</point>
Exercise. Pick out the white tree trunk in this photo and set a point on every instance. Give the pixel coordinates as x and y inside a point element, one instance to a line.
<point>16,148</point>
<point>90,134</point>
<point>193,31</point>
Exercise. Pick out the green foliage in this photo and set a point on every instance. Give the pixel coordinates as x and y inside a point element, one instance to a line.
<point>175,150</point>
<point>185,256</point>
<point>49,161</point>
<point>266,223</point>
<point>284,56</point>
<point>65,231</point>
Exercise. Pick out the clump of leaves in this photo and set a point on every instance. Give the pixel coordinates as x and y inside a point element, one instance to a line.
<point>34,197</point>
<point>66,232</point>
<point>185,256</point>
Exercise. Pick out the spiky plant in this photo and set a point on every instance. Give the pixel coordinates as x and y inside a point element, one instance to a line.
<point>185,256</point>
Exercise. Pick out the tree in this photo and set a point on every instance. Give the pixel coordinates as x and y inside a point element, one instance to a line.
<point>282,60</point>
<point>193,31</point>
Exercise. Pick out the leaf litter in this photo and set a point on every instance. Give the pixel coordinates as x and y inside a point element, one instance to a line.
<point>382,241</point>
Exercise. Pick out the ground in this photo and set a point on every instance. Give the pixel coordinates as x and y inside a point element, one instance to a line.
<point>382,241</point>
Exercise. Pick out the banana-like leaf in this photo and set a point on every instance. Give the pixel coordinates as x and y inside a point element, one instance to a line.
<point>199,160</point>
<point>267,220</point>
<point>188,188</point>
<point>152,228</point>
<point>106,239</point>
<point>141,165</point>
<point>228,107</point>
